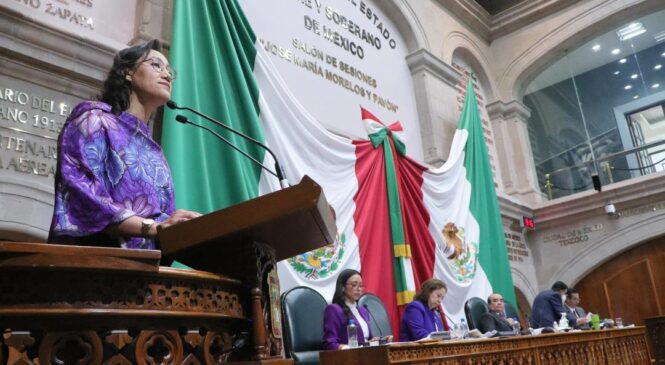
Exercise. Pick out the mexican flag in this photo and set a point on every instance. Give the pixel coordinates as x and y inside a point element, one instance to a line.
<point>391,210</point>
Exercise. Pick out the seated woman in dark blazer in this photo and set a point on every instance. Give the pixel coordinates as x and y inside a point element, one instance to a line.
<point>421,317</point>
<point>336,317</point>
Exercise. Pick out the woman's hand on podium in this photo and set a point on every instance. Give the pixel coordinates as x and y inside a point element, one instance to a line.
<point>178,216</point>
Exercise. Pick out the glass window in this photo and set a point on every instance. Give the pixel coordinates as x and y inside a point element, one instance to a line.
<point>598,110</point>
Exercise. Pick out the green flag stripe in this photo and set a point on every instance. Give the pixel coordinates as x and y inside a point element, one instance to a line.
<point>401,251</point>
<point>213,50</point>
<point>484,204</point>
<point>394,208</point>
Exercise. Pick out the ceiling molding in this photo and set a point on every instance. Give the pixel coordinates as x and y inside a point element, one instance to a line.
<point>471,14</point>
<point>490,27</point>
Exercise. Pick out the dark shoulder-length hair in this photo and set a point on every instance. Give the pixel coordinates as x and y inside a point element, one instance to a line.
<point>117,88</point>
<point>338,297</point>
<point>427,287</point>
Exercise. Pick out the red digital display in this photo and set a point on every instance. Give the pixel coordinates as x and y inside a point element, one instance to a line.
<point>528,223</point>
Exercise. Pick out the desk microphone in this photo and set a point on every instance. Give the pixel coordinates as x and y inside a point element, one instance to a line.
<point>184,120</point>
<point>447,317</point>
<point>279,173</point>
<point>374,320</point>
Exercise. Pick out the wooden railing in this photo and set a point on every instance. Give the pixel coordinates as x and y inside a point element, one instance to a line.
<point>625,346</point>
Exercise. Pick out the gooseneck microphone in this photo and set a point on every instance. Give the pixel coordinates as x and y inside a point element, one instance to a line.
<point>374,320</point>
<point>184,120</point>
<point>440,310</point>
<point>279,173</point>
<point>449,319</point>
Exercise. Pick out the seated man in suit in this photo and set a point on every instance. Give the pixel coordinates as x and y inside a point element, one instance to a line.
<point>576,314</point>
<point>548,306</point>
<point>496,318</point>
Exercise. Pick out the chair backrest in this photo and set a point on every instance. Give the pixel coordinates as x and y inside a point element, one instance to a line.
<point>474,309</point>
<point>511,312</point>
<point>380,325</point>
<point>302,315</point>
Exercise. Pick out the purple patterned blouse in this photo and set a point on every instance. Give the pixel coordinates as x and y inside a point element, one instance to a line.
<point>109,169</point>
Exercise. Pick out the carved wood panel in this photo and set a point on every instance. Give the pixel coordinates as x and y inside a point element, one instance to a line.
<point>87,305</point>
<point>624,346</point>
<point>629,285</point>
<point>118,348</point>
<point>622,293</point>
<point>100,291</point>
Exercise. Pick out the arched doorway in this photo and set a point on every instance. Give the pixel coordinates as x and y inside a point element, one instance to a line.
<point>629,286</point>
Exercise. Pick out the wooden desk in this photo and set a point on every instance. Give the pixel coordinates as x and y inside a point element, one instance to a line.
<point>656,335</point>
<point>625,346</point>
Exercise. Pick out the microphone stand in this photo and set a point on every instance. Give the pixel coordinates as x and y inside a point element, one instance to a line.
<point>184,120</point>
<point>440,310</point>
<point>279,173</point>
<point>373,320</point>
<point>449,319</point>
<point>382,340</point>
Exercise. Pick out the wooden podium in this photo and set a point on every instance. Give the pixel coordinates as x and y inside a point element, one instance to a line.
<point>95,305</point>
<point>245,242</point>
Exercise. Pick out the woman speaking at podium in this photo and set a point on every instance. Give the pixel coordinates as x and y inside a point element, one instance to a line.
<point>113,186</point>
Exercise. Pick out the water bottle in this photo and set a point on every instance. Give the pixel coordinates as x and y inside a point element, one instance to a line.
<point>563,322</point>
<point>516,326</point>
<point>352,332</point>
<point>464,329</point>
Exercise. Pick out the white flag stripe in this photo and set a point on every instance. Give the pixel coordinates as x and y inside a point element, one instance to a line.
<point>304,147</point>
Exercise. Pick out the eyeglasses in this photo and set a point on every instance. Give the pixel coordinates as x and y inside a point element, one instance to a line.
<point>356,285</point>
<point>160,67</point>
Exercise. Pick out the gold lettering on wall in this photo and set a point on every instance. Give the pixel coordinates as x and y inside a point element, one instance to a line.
<point>573,236</point>
<point>641,210</point>
<point>351,78</point>
<point>516,247</point>
<point>335,29</point>
<point>29,126</point>
<point>27,166</point>
<point>68,11</point>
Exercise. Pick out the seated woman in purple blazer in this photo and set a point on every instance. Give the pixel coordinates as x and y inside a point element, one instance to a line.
<point>421,317</point>
<point>336,317</point>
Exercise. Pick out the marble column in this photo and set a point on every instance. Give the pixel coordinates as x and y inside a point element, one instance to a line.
<point>153,21</point>
<point>509,123</point>
<point>435,83</point>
